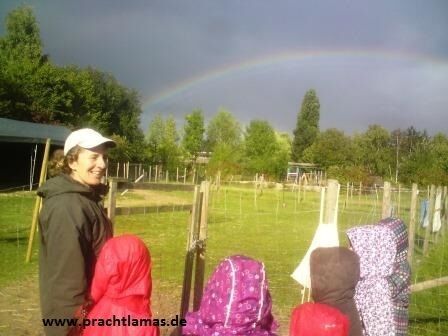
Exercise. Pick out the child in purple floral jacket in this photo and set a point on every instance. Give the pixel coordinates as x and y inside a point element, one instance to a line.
<point>376,248</point>
<point>236,301</point>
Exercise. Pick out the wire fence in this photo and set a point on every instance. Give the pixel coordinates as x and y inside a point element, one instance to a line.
<point>274,225</point>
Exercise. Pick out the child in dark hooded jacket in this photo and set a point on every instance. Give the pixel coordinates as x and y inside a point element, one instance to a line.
<point>334,275</point>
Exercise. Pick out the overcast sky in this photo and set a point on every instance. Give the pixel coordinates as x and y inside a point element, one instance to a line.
<point>370,62</point>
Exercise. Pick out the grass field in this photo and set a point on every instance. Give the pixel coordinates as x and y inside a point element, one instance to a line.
<point>276,228</point>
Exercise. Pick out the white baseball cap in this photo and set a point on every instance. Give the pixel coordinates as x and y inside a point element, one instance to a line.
<point>86,138</point>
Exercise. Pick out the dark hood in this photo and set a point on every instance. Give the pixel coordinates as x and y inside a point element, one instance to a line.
<point>63,184</point>
<point>334,274</point>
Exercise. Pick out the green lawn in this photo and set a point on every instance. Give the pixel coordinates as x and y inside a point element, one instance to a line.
<point>276,228</point>
<point>16,210</point>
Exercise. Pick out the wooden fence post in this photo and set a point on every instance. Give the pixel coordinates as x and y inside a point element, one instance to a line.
<point>386,210</point>
<point>331,202</point>
<point>412,222</point>
<point>201,246</point>
<point>189,257</point>
<point>428,231</point>
<point>111,200</point>
<point>360,191</point>
<point>38,202</point>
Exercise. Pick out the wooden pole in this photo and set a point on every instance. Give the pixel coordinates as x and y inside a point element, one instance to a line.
<point>412,222</point>
<point>201,247</point>
<point>127,171</point>
<point>38,202</point>
<point>428,231</point>
<point>111,200</point>
<point>189,257</point>
<point>346,195</point>
<point>360,191</point>
<point>185,175</point>
<point>399,200</point>
<point>386,201</point>
<point>429,284</point>
<point>177,174</point>
<point>351,191</point>
<point>331,199</point>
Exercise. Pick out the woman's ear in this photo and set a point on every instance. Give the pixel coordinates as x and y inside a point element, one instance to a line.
<point>73,165</point>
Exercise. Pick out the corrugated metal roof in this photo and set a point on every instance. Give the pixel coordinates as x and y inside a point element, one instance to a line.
<point>23,131</point>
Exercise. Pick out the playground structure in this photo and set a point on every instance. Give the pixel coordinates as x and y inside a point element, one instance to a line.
<point>305,174</point>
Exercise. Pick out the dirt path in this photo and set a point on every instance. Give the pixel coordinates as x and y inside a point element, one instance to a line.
<point>20,311</point>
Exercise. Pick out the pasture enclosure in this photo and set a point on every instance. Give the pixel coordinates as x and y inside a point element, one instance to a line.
<point>274,225</point>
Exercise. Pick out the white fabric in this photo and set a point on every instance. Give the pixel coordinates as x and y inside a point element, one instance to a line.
<point>326,236</point>
<point>436,220</point>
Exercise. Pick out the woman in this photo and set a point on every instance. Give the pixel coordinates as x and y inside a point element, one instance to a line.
<point>73,226</point>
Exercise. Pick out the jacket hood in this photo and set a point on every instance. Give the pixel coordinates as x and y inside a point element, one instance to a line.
<point>376,248</point>
<point>334,274</point>
<point>400,232</point>
<point>236,301</point>
<point>63,184</point>
<point>123,269</point>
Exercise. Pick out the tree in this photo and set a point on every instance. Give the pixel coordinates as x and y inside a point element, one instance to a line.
<point>193,139</point>
<point>23,35</point>
<point>20,59</point>
<point>223,129</point>
<point>376,151</point>
<point>307,127</point>
<point>162,141</point>
<point>331,148</point>
<point>260,148</point>
<point>34,89</point>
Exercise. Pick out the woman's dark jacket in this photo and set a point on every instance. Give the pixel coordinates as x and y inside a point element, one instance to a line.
<point>334,274</point>
<point>73,227</point>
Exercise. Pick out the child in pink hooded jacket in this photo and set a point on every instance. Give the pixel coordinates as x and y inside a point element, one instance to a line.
<point>121,287</point>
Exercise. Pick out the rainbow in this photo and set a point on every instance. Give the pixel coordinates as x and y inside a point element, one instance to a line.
<point>281,58</point>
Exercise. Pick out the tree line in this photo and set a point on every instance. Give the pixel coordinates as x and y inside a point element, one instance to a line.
<point>32,88</point>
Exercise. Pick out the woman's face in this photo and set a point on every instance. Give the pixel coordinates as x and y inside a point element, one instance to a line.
<point>90,167</point>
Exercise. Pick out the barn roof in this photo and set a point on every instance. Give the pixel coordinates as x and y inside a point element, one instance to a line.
<point>28,132</point>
